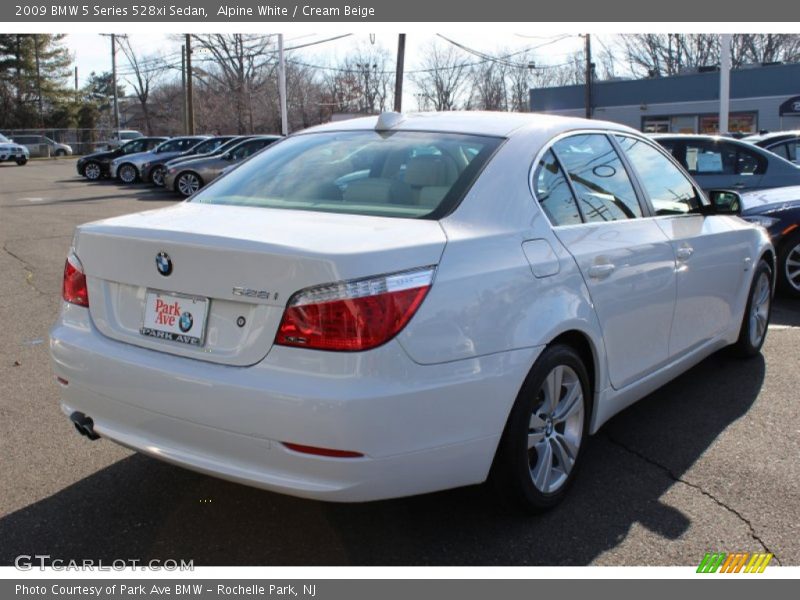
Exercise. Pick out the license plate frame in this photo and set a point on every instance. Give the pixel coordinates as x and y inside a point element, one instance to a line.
<point>157,331</point>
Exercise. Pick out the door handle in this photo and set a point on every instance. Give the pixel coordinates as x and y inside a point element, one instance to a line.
<point>684,252</point>
<point>601,271</point>
<point>739,186</point>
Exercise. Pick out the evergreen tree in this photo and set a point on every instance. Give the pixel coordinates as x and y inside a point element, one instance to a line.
<point>34,78</point>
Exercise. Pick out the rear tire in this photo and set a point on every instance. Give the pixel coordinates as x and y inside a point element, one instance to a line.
<point>789,265</point>
<point>127,173</point>
<point>540,451</point>
<point>755,322</point>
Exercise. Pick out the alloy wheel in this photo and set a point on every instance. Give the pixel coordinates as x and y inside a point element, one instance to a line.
<point>791,267</point>
<point>158,176</point>
<point>92,171</point>
<point>188,184</point>
<point>759,309</point>
<point>127,173</point>
<point>555,429</point>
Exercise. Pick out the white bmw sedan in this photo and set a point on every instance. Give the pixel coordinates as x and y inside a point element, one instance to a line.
<point>396,305</point>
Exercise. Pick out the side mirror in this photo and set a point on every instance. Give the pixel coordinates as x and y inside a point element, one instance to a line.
<point>227,156</point>
<point>725,202</point>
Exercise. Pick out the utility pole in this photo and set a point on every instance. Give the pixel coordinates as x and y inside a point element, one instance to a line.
<point>724,82</point>
<point>589,75</point>
<point>282,86</point>
<point>38,79</point>
<point>114,77</point>
<point>398,76</point>
<point>76,79</point>
<point>189,87</point>
<point>184,111</point>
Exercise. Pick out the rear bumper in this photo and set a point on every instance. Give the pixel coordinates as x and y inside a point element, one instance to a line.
<point>420,428</point>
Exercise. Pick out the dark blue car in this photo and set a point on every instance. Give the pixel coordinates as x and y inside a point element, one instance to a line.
<point>778,210</point>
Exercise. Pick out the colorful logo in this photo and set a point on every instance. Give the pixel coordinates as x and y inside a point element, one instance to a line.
<point>735,562</point>
<point>185,322</point>
<point>163,263</point>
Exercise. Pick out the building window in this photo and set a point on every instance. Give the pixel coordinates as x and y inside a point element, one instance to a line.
<point>655,125</point>
<point>737,122</point>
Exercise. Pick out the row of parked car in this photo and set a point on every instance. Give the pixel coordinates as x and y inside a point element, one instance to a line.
<point>760,167</point>
<point>181,164</point>
<point>764,169</point>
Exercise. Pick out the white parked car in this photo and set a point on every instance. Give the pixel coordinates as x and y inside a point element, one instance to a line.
<point>10,151</point>
<point>390,306</point>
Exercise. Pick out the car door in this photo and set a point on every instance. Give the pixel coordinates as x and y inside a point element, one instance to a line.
<point>710,250</point>
<point>626,260</point>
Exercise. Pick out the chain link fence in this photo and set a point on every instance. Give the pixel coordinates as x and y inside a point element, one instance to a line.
<point>62,142</point>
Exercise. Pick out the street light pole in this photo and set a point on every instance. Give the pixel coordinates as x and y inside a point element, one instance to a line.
<point>589,76</point>
<point>398,76</point>
<point>189,87</point>
<point>724,82</point>
<point>282,86</point>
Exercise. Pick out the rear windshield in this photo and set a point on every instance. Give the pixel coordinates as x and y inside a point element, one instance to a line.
<point>391,174</point>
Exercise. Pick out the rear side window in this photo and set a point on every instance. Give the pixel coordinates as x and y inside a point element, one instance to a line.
<point>669,190</point>
<point>552,191</point>
<point>603,188</point>
<point>394,174</point>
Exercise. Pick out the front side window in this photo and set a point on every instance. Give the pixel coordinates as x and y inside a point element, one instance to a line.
<point>602,186</point>
<point>133,147</point>
<point>187,144</point>
<point>208,145</point>
<point>170,146</point>
<point>553,193</point>
<point>669,190</point>
<point>393,174</point>
<point>246,149</point>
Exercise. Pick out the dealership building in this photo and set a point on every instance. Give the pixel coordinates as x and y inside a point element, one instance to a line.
<point>761,98</point>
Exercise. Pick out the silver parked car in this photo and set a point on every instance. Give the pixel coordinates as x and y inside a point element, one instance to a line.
<point>140,166</point>
<point>36,145</point>
<point>187,177</point>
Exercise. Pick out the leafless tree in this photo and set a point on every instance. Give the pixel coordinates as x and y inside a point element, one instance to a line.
<point>238,63</point>
<point>145,72</point>
<point>441,78</point>
<point>765,48</point>
<point>489,81</point>
<point>361,82</point>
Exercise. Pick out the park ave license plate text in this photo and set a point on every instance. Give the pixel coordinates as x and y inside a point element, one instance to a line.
<point>175,318</point>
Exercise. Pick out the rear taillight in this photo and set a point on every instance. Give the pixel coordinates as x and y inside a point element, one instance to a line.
<point>74,288</point>
<point>354,315</point>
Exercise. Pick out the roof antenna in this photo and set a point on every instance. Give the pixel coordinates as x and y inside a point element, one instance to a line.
<point>387,120</point>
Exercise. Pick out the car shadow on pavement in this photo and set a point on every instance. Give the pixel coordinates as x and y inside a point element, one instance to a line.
<point>786,312</point>
<point>145,509</point>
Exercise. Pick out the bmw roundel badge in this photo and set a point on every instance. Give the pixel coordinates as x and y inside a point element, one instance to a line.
<point>163,263</point>
<point>185,322</point>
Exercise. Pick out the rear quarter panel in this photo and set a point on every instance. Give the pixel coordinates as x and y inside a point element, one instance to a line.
<point>485,298</point>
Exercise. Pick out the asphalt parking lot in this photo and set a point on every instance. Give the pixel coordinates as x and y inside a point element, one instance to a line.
<point>709,462</point>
